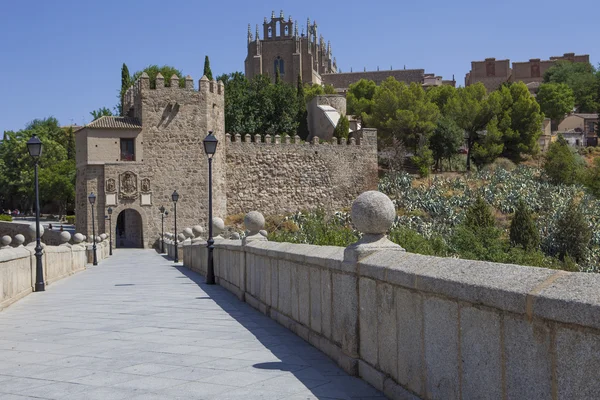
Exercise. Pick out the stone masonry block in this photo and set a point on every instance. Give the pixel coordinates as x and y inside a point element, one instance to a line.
<point>285,287</point>
<point>274,283</point>
<point>368,320</point>
<point>315,299</point>
<point>410,357</point>
<point>527,358</point>
<point>481,354</point>
<point>387,336</point>
<point>345,312</point>
<point>326,303</point>
<point>441,348</point>
<point>303,294</point>
<point>295,291</point>
<point>577,364</point>
<point>374,377</point>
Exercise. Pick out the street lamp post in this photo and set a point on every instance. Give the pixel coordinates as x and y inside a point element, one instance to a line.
<point>210,147</point>
<point>110,210</point>
<point>175,197</point>
<point>92,200</point>
<point>34,146</point>
<point>162,228</point>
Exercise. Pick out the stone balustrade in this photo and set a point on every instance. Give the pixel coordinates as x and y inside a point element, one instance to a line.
<point>418,326</point>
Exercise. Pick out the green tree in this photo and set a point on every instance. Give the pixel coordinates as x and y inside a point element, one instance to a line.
<point>445,141</point>
<point>561,164</point>
<point>580,77</point>
<point>237,107</point>
<point>101,112</point>
<point>573,233</point>
<point>556,100</point>
<point>440,95</point>
<point>207,71</point>
<point>592,178</point>
<point>472,109</point>
<point>519,121</point>
<point>403,111</point>
<point>479,215</point>
<point>423,160</point>
<point>342,128</point>
<point>523,231</point>
<point>302,111</point>
<point>166,71</point>
<point>489,146</point>
<point>125,84</point>
<point>359,98</point>
<point>71,150</point>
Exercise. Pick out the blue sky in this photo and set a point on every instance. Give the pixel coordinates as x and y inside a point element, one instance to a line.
<point>63,58</point>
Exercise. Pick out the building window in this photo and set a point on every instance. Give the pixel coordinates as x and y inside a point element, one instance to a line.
<point>127,150</point>
<point>592,127</point>
<point>278,64</point>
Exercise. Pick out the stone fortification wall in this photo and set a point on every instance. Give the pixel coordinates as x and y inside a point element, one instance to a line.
<point>283,175</point>
<point>417,326</point>
<point>343,80</point>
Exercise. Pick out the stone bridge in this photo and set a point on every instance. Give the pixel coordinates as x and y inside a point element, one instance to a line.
<point>292,321</point>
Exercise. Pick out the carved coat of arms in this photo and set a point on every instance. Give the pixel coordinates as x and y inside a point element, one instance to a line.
<point>128,188</point>
<point>111,186</point>
<point>145,185</point>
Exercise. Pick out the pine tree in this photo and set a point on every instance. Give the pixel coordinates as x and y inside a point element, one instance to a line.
<point>573,233</point>
<point>479,215</point>
<point>125,84</point>
<point>207,71</point>
<point>342,129</point>
<point>523,231</point>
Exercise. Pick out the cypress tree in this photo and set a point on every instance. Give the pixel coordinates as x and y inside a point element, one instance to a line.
<point>125,84</point>
<point>479,215</point>
<point>207,71</point>
<point>70,144</point>
<point>342,128</point>
<point>277,77</point>
<point>573,233</point>
<point>523,231</point>
<point>302,116</point>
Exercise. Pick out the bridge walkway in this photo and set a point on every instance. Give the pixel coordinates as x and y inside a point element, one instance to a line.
<point>138,327</point>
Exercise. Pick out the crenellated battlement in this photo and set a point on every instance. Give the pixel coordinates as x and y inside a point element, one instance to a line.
<point>257,139</point>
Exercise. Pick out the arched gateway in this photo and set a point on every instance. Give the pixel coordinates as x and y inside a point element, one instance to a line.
<point>128,230</point>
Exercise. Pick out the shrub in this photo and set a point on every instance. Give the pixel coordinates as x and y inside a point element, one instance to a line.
<point>501,163</point>
<point>4,217</point>
<point>523,231</point>
<point>479,215</point>
<point>70,219</point>
<point>342,128</point>
<point>423,160</point>
<point>413,242</point>
<point>561,164</point>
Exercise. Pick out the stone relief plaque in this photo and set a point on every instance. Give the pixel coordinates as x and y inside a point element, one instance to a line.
<point>145,185</point>
<point>111,186</point>
<point>128,186</point>
<point>111,199</point>
<point>146,199</point>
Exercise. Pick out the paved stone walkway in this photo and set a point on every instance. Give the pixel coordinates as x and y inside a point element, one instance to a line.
<point>139,327</point>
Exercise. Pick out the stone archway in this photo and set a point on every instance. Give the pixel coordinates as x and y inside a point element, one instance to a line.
<point>129,229</point>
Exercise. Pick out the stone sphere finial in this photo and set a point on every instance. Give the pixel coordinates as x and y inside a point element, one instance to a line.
<point>254,222</point>
<point>6,240</point>
<point>19,240</point>
<point>103,236</point>
<point>32,231</point>
<point>235,236</point>
<point>198,230</point>
<point>78,238</point>
<point>180,238</point>
<point>188,233</point>
<point>65,237</point>
<point>218,226</point>
<point>373,213</point>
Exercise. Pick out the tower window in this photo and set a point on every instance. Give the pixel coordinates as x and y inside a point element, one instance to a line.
<point>286,30</point>
<point>270,32</point>
<point>278,64</point>
<point>127,150</point>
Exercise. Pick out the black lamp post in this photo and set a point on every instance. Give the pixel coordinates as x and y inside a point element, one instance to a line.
<point>110,210</point>
<point>175,197</point>
<point>210,147</point>
<point>162,228</point>
<point>92,200</point>
<point>34,146</point>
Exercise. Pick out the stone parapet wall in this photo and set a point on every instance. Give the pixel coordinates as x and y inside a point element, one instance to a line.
<point>344,79</point>
<point>283,175</point>
<point>17,269</point>
<point>425,327</point>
